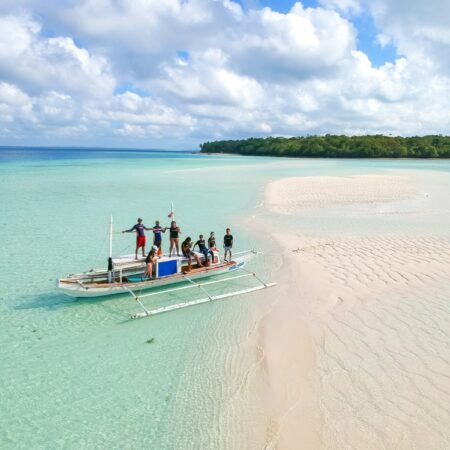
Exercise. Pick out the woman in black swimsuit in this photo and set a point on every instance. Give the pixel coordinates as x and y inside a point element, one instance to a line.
<point>174,237</point>
<point>150,261</point>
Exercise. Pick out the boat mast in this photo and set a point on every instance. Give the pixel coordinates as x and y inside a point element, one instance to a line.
<point>110,235</point>
<point>110,264</point>
<point>172,211</point>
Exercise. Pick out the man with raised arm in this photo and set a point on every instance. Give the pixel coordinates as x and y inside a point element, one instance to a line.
<point>139,228</point>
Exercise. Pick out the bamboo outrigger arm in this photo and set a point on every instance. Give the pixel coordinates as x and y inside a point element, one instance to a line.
<point>136,298</point>
<point>208,298</point>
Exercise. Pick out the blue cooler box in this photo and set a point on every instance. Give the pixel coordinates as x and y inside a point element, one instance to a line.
<point>167,267</point>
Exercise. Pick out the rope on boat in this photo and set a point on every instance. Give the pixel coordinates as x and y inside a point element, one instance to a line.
<point>101,246</point>
<point>81,284</point>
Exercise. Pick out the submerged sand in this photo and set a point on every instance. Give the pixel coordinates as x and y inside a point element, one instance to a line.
<point>357,342</point>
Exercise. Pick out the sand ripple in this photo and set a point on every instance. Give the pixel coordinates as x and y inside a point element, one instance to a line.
<point>380,317</point>
<point>375,302</point>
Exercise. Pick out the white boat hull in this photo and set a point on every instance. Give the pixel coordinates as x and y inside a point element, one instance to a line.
<point>76,288</point>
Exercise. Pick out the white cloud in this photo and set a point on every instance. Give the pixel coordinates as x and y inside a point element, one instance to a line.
<point>187,71</point>
<point>12,96</point>
<point>346,6</point>
<point>14,105</point>
<point>132,109</point>
<point>208,79</point>
<point>297,45</point>
<point>38,63</point>
<point>138,35</point>
<point>420,30</point>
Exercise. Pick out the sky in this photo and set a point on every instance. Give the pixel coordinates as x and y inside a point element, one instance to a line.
<point>171,74</point>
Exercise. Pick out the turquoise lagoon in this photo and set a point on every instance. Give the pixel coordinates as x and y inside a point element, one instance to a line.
<point>80,374</point>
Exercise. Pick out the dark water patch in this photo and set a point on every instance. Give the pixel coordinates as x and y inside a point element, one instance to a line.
<point>25,154</point>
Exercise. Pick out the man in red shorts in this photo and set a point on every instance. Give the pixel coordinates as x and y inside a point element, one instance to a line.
<point>140,235</point>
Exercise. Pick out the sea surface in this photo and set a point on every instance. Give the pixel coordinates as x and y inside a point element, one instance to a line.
<point>80,374</point>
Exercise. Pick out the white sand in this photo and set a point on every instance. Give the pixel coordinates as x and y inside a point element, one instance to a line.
<point>357,343</point>
<point>289,195</point>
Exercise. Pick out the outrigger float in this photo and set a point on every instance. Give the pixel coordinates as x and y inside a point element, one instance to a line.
<point>126,275</point>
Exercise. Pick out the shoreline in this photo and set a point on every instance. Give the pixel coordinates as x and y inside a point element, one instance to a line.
<point>316,158</point>
<point>288,371</point>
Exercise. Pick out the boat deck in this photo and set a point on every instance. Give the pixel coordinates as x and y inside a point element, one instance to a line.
<point>195,271</point>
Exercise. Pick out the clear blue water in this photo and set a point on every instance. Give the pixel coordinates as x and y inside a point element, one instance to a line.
<point>79,374</point>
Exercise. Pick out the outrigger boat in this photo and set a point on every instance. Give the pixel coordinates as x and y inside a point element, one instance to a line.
<point>126,275</point>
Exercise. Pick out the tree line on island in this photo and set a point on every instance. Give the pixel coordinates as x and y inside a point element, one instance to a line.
<point>334,146</point>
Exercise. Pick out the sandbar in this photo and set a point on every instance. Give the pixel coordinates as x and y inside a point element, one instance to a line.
<point>356,343</point>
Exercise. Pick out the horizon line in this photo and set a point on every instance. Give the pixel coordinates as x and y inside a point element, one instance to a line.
<point>87,148</point>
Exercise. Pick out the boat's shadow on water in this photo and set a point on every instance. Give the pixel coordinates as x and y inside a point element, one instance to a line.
<point>53,301</point>
<point>59,302</point>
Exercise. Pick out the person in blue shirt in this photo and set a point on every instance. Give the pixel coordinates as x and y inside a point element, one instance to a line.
<point>139,228</point>
<point>157,235</point>
<point>201,244</point>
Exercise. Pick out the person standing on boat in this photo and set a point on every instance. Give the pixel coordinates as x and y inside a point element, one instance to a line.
<point>140,236</point>
<point>174,238</point>
<point>212,245</point>
<point>188,253</point>
<point>157,236</point>
<point>212,240</point>
<point>227,244</point>
<point>150,261</point>
<point>201,244</point>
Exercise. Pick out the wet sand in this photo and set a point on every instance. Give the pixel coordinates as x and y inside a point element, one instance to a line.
<point>356,344</point>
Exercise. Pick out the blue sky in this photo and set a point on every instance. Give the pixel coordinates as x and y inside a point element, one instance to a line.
<point>175,73</point>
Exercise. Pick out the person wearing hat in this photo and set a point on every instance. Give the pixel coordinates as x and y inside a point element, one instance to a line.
<point>140,236</point>
<point>150,261</point>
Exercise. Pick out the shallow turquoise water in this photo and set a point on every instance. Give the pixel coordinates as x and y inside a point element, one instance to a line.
<point>79,374</point>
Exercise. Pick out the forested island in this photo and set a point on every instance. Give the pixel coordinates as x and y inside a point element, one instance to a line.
<point>335,146</point>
